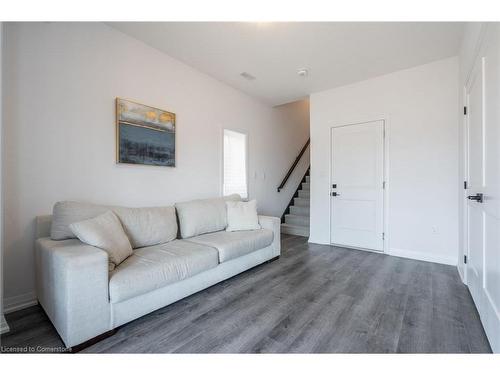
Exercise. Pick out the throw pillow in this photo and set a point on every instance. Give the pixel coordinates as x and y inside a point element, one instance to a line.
<point>242,216</point>
<point>105,232</point>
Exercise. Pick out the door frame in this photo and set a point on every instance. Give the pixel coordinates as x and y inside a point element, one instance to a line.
<point>385,168</point>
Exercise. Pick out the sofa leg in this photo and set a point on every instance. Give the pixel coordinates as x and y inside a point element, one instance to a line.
<point>272,260</point>
<point>92,341</point>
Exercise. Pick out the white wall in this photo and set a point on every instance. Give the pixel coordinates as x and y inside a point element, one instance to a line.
<point>62,80</point>
<point>420,109</point>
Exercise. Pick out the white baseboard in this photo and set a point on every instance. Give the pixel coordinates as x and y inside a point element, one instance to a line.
<point>19,302</point>
<point>4,327</point>
<point>426,257</point>
<point>315,241</point>
<point>462,276</point>
<point>410,254</point>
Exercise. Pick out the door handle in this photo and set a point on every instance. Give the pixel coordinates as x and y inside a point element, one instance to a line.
<point>478,197</point>
<point>334,194</point>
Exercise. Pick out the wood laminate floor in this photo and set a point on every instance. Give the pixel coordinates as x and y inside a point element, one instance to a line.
<point>314,299</point>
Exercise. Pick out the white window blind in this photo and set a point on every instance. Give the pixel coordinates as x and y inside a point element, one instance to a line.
<point>235,164</point>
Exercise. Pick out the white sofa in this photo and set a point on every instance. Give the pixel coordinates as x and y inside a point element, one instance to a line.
<point>84,300</point>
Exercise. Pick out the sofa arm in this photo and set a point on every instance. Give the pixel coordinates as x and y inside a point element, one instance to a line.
<point>72,287</point>
<point>274,224</point>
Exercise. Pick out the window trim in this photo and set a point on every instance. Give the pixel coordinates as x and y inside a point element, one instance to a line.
<point>245,133</point>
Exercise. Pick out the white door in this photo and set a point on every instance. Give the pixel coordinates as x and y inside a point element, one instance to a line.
<point>483,123</point>
<point>475,185</point>
<point>357,195</point>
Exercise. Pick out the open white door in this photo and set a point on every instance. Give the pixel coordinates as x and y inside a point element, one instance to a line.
<point>483,185</point>
<point>475,185</point>
<point>357,192</point>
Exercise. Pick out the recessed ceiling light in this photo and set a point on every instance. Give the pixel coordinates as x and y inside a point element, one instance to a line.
<point>303,72</point>
<point>247,76</point>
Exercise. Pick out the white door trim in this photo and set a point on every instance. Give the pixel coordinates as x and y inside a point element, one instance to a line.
<point>385,120</point>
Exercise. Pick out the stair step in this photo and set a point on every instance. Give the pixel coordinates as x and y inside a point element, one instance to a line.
<point>303,202</point>
<point>297,220</point>
<point>298,210</point>
<point>295,229</point>
<point>308,178</point>
<point>306,186</point>
<point>304,194</point>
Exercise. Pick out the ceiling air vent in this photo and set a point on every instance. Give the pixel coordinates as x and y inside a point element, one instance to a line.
<point>303,72</point>
<point>247,76</point>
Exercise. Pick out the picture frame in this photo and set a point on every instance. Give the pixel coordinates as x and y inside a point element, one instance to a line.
<point>145,135</point>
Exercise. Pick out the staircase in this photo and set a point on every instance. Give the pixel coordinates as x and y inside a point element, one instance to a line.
<point>295,220</point>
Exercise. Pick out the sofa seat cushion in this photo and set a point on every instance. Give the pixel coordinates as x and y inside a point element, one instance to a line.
<point>232,245</point>
<point>154,267</point>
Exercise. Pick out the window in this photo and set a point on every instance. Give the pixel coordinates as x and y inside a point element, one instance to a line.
<point>235,164</point>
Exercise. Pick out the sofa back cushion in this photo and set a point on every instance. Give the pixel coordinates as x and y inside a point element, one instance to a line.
<point>67,212</point>
<point>148,226</point>
<point>145,226</point>
<point>203,215</point>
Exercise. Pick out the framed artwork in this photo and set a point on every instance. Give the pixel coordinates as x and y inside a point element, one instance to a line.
<point>144,135</point>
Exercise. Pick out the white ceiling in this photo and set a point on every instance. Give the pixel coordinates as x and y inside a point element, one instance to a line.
<point>334,53</point>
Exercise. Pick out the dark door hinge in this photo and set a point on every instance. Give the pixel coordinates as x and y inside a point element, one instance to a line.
<point>465,259</point>
<point>383,235</point>
<point>465,185</point>
<point>465,111</point>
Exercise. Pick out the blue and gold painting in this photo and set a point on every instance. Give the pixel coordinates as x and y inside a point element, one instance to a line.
<point>145,135</point>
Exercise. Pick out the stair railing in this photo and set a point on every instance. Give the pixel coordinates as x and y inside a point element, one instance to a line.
<point>297,159</point>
